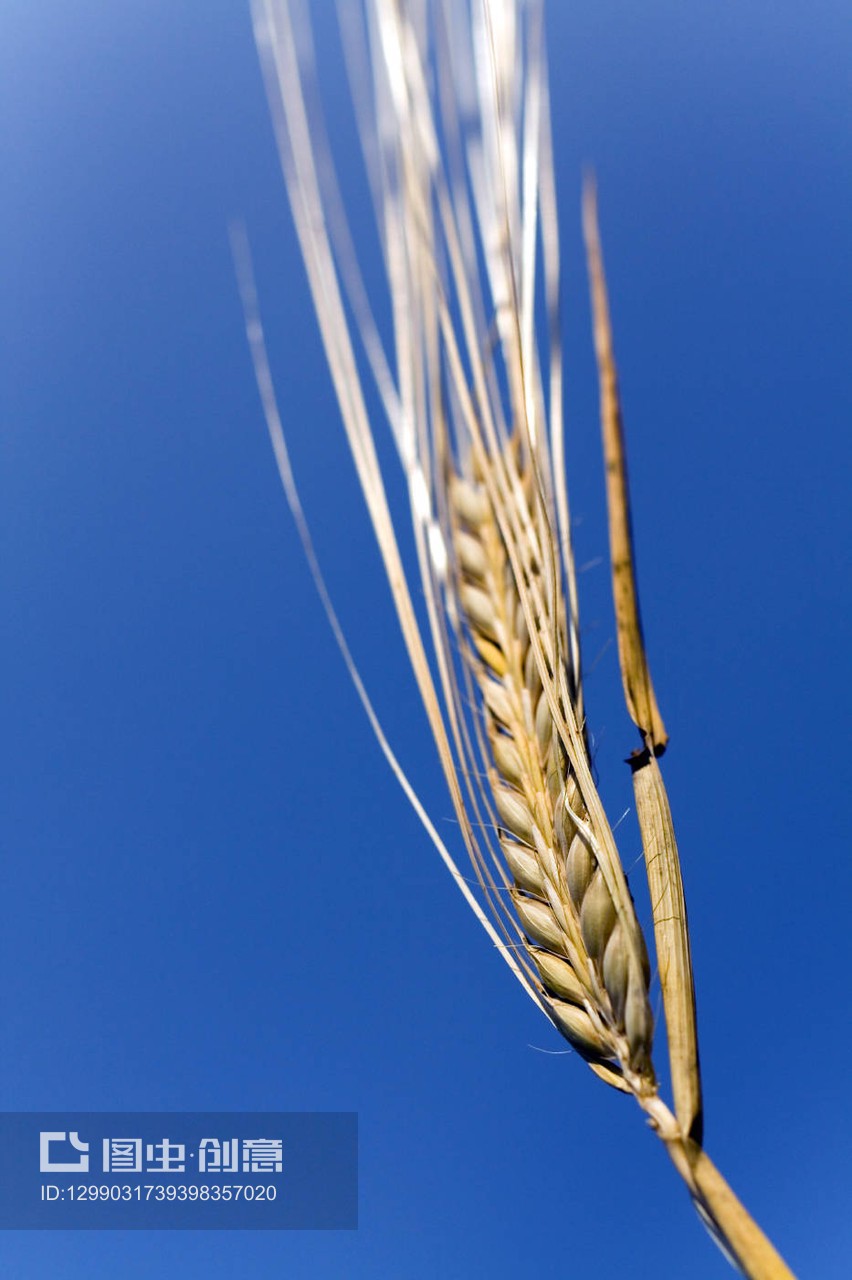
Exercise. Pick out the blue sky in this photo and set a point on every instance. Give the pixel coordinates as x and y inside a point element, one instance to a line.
<point>214,897</point>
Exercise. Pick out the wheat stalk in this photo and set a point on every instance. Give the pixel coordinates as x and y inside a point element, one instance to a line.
<point>452,102</point>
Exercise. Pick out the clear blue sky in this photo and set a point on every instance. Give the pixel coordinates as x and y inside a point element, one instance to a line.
<point>213,895</point>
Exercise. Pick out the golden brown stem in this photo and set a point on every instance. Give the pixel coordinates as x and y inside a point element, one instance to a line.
<point>638,689</point>
<point>674,958</point>
<point>738,1233</point>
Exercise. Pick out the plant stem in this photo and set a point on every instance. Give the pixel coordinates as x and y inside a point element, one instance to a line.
<point>737,1234</point>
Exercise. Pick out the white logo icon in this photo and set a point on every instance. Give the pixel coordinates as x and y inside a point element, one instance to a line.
<point>46,1165</point>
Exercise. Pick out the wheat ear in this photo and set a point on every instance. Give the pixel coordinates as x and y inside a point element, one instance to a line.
<point>569,892</point>
<point>452,103</point>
